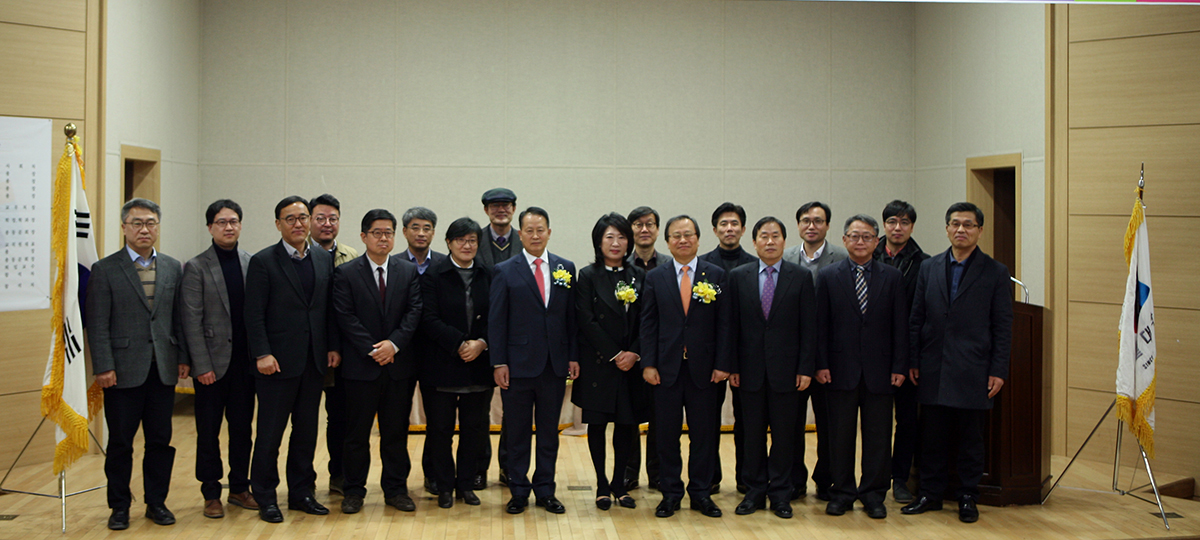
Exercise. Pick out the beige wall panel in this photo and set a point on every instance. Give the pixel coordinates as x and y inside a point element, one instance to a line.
<point>1176,439</point>
<point>671,192</point>
<point>256,189</point>
<point>934,109</point>
<point>359,189</point>
<point>573,209</point>
<point>1135,82</point>
<point>857,192</point>
<point>26,345</point>
<point>63,14</point>
<point>1106,22</point>
<point>1093,348</point>
<point>22,412</point>
<point>1097,260</point>
<point>769,193</point>
<point>43,72</point>
<point>1110,160</point>
<point>414,188</point>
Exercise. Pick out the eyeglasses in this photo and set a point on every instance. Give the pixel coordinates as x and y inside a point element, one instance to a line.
<point>466,241</point>
<point>420,228</point>
<point>856,238</point>
<point>381,234</point>
<point>137,224</point>
<point>322,220</point>
<point>818,222</point>
<point>644,226</point>
<point>892,222</point>
<point>965,225</point>
<point>223,223</point>
<point>682,236</point>
<point>291,220</point>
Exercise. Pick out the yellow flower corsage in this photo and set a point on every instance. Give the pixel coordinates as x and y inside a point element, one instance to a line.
<point>561,277</point>
<point>705,292</point>
<point>626,293</point>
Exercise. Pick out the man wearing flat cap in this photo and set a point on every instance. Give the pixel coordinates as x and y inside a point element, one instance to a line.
<point>499,241</point>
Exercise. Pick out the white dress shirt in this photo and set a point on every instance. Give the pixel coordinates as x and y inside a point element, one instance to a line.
<point>529,258</point>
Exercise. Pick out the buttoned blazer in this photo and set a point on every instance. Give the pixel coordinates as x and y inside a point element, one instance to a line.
<point>772,350</point>
<point>606,327</point>
<point>666,331</point>
<point>445,327</point>
<point>125,333</point>
<point>833,253</point>
<point>281,320</point>
<point>365,319</point>
<point>857,347</point>
<point>523,332</point>
<point>205,311</point>
<point>958,343</point>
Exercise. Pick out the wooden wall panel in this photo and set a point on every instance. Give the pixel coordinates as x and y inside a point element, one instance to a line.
<point>1175,435</point>
<point>26,348</point>
<point>1135,82</point>
<point>1097,269</point>
<point>1110,159</point>
<point>1093,346</point>
<point>43,72</point>
<point>64,14</point>
<point>22,412</point>
<point>1105,22</point>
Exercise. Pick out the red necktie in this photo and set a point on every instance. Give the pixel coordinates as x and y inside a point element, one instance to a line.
<point>541,281</point>
<point>382,286</point>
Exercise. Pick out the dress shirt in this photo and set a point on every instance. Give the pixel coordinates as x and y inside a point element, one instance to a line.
<point>375,277</point>
<point>421,267</point>
<point>691,271</point>
<point>816,255</point>
<point>762,274</point>
<point>292,252</point>
<point>529,258</point>
<point>141,261</point>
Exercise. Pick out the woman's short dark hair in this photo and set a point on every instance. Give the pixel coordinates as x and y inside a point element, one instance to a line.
<point>616,221</point>
<point>463,226</point>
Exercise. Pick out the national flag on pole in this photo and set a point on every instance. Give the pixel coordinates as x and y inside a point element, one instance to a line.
<point>1135,364</point>
<point>66,398</point>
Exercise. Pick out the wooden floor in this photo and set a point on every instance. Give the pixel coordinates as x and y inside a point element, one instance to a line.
<point>1080,508</point>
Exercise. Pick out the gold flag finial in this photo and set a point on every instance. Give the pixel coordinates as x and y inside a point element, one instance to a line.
<point>69,130</point>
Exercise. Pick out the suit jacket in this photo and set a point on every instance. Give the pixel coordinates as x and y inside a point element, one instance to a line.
<point>772,350</point>
<point>523,332</point>
<point>364,320</point>
<point>204,307</point>
<point>124,332</point>
<point>444,326</point>
<point>703,331</point>
<point>280,319</point>
<point>832,254</point>
<point>857,347</point>
<point>484,255</point>
<point>607,327</point>
<point>958,343</point>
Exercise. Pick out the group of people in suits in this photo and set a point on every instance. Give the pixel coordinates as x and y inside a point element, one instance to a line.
<point>868,331</point>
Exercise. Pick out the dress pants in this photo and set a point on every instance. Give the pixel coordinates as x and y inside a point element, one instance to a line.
<point>635,458</point>
<point>847,408</point>
<point>531,401</point>
<point>939,426</point>
<point>231,397</point>
<point>149,405</point>
<point>820,475</point>
<point>704,429</point>
<point>297,398</point>
<point>768,474</point>
<point>391,400</point>
<point>335,422</point>
<point>472,411</point>
<point>906,443</point>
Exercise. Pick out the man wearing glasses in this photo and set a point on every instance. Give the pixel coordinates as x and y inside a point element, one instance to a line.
<point>287,328</point>
<point>377,302</point>
<point>420,224</point>
<point>137,355</point>
<point>961,336</point>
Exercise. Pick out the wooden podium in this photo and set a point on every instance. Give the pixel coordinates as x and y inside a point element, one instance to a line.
<point>1017,466</point>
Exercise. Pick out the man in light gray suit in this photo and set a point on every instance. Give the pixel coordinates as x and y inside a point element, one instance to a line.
<point>814,253</point>
<point>213,312</point>
<point>137,354</point>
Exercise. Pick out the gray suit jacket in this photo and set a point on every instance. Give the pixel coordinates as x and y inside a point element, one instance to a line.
<point>204,309</point>
<point>484,255</point>
<point>125,334</point>
<point>833,253</point>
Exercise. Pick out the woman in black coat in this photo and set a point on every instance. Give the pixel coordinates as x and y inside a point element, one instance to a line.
<point>610,388</point>
<point>456,374</point>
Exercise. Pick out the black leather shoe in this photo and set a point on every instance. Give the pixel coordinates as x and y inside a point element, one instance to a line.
<point>308,505</point>
<point>967,511</point>
<point>401,502</point>
<point>876,511</point>
<point>480,482</point>
<point>706,506</point>
<point>799,493</point>
<point>823,494</point>
<point>468,497</point>
<point>446,499</point>
<point>352,504</point>
<point>516,505</point>
<point>161,516</point>
<point>782,509</point>
<point>270,513</point>
<point>119,520</point>
<point>837,508</point>
<point>551,504</point>
<point>921,505</point>
<point>503,477</point>
<point>625,501</point>
<point>431,487</point>
<point>901,493</point>
<point>747,507</point>
<point>604,503</point>
<point>667,507</point>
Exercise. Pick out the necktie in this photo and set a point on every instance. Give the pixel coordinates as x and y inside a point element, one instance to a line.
<point>541,281</point>
<point>502,241</point>
<point>685,289</point>
<point>860,288</point>
<point>382,286</point>
<point>768,292</point>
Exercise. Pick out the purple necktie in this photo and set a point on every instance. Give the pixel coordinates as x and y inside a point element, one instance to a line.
<point>382,287</point>
<point>768,292</point>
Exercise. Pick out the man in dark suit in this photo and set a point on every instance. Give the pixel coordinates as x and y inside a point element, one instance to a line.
<point>137,354</point>
<point>288,330</point>
<point>862,358</point>
<point>531,337</point>
<point>685,358</point>
<point>960,335</point>
<point>213,299</point>
<point>377,301</point>
<point>774,339</point>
